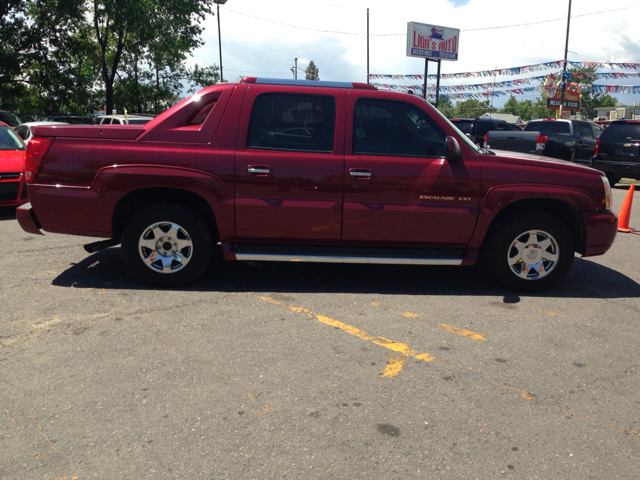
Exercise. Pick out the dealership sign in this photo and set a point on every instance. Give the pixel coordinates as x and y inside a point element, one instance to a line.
<point>432,41</point>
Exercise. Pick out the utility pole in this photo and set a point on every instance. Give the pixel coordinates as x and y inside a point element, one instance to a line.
<point>564,68</point>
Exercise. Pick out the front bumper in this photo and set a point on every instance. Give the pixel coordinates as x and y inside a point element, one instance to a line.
<point>601,229</point>
<point>28,220</point>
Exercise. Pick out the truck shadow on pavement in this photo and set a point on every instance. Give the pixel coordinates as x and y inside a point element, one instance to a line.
<point>106,270</point>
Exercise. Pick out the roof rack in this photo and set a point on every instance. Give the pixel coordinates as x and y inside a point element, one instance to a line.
<point>305,83</point>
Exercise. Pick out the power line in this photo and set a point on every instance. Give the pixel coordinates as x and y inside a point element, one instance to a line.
<point>403,34</point>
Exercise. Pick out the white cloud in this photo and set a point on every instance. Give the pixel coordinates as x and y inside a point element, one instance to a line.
<point>262,38</point>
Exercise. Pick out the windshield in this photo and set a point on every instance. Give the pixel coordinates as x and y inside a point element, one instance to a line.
<point>9,140</point>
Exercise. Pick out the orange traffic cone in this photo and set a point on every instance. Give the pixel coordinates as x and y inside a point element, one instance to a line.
<point>625,211</point>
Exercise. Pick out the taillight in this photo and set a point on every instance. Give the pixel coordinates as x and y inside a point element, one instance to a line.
<point>541,142</point>
<point>595,150</point>
<point>486,140</point>
<point>36,149</point>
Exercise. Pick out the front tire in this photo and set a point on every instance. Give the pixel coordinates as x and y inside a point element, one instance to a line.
<point>167,245</point>
<point>529,252</point>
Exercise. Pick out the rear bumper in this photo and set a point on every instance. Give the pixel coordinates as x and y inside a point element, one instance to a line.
<point>619,167</point>
<point>601,230</point>
<point>28,220</point>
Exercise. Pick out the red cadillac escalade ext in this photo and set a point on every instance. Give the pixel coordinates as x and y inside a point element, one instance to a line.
<point>312,171</point>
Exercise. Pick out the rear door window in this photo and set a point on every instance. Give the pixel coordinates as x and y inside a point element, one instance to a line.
<point>292,122</point>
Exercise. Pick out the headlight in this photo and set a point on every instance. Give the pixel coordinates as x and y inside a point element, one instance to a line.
<point>607,192</point>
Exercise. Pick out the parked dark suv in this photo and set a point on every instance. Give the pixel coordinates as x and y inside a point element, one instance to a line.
<point>617,151</point>
<point>477,128</point>
<point>9,118</point>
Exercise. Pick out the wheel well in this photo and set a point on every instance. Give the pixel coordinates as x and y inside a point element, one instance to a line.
<point>138,199</point>
<point>566,213</point>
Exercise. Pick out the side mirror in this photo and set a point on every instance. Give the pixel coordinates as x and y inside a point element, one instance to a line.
<point>452,149</point>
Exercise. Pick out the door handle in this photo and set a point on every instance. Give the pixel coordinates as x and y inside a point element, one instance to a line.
<point>360,173</point>
<point>258,170</point>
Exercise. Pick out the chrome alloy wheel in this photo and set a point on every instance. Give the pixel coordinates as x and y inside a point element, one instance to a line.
<point>165,247</point>
<point>533,255</point>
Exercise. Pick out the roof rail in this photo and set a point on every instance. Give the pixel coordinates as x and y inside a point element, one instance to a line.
<point>305,83</point>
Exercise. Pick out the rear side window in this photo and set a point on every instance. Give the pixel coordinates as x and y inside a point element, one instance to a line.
<point>548,128</point>
<point>386,127</point>
<point>483,127</point>
<point>584,130</point>
<point>597,131</point>
<point>464,126</point>
<point>621,132</point>
<point>507,127</point>
<point>293,122</point>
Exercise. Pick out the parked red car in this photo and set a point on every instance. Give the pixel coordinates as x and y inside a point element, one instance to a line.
<point>13,190</point>
<point>296,170</point>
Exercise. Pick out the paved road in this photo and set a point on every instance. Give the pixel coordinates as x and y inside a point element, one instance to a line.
<point>314,371</point>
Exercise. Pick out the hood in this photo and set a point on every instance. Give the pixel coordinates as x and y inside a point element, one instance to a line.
<point>12,161</point>
<point>527,159</point>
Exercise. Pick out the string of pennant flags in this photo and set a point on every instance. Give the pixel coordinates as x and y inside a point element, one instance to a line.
<point>558,64</point>
<point>452,94</point>
<point>508,84</point>
<point>516,86</point>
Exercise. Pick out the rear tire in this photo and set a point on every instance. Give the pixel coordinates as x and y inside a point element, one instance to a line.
<point>167,245</point>
<point>528,252</point>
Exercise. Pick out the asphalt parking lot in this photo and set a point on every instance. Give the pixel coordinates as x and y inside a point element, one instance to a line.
<point>267,370</point>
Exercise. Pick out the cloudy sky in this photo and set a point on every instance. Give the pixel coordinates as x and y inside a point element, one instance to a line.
<point>262,38</point>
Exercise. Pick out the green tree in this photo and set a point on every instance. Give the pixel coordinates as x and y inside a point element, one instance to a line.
<point>155,35</point>
<point>472,108</point>
<point>311,72</point>
<point>590,100</point>
<point>446,107</point>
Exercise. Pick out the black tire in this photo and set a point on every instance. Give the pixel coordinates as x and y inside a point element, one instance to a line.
<point>547,242</point>
<point>167,245</point>
<point>613,178</point>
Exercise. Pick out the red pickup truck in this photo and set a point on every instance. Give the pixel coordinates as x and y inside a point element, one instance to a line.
<point>312,171</point>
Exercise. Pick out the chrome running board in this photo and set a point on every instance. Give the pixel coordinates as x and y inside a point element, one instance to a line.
<point>347,255</point>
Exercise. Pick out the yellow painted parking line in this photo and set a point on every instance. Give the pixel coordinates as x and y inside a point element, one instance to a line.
<point>519,393</point>
<point>401,350</point>
<point>463,332</point>
<point>449,328</point>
